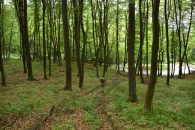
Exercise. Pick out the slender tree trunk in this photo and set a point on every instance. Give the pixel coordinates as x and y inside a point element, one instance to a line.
<point>50,17</point>
<point>27,46</point>
<point>21,10</point>
<point>77,35</point>
<point>59,38</point>
<point>178,23</point>
<point>23,53</point>
<point>187,37</point>
<point>155,47</point>
<point>131,53</point>
<point>147,15</point>
<point>106,37</point>
<point>67,49</point>
<point>44,43</point>
<point>167,41</point>
<point>84,44</point>
<point>141,42</point>
<point>93,15</point>
<point>2,31</point>
<point>1,48</point>
<point>125,57</point>
<point>172,46</point>
<point>117,38</point>
<point>10,41</point>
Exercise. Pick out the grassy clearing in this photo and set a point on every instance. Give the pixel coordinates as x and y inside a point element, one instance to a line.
<point>92,107</point>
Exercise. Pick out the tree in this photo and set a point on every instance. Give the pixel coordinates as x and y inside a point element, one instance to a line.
<point>141,43</point>
<point>44,44</point>
<point>178,24</point>
<point>21,10</point>
<point>187,38</point>
<point>1,48</point>
<point>50,18</point>
<point>131,54</point>
<point>81,77</point>
<point>167,41</point>
<point>147,15</point>
<point>77,34</point>
<point>155,46</point>
<point>67,49</point>
<point>36,47</point>
<point>117,39</point>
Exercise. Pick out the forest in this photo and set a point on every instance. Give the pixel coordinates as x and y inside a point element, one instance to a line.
<point>97,64</point>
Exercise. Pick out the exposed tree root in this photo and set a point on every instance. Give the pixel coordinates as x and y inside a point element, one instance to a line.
<point>10,124</point>
<point>38,125</point>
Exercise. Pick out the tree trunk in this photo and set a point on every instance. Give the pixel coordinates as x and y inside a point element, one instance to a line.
<point>155,47</point>
<point>50,17</point>
<point>141,42</point>
<point>81,78</point>
<point>167,41</point>
<point>147,15</point>
<point>178,23</point>
<point>67,49</point>
<point>27,46</point>
<point>44,43</point>
<point>21,10</point>
<point>1,48</point>
<point>10,41</point>
<point>117,39</point>
<point>125,57</point>
<point>106,48</point>
<point>77,35</point>
<point>131,53</point>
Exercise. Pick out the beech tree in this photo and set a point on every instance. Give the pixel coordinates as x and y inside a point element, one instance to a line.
<point>167,41</point>
<point>131,52</point>
<point>117,38</point>
<point>1,48</point>
<point>21,10</point>
<point>140,70</point>
<point>154,57</point>
<point>147,15</point>
<point>44,42</point>
<point>68,85</point>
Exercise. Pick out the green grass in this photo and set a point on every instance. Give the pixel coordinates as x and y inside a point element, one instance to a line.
<point>173,106</point>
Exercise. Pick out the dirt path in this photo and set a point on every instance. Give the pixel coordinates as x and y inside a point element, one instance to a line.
<point>103,114</point>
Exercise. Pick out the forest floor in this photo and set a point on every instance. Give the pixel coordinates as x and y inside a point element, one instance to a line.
<point>44,105</point>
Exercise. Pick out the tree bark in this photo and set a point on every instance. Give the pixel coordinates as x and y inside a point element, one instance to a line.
<point>81,77</point>
<point>21,10</point>
<point>1,48</point>
<point>178,24</point>
<point>77,35</point>
<point>167,41</point>
<point>117,38</point>
<point>44,44</point>
<point>155,47</point>
<point>131,53</point>
<point>67,49</point>
<point>147,15</point>
<point>141,43</point>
